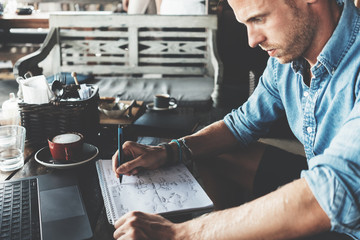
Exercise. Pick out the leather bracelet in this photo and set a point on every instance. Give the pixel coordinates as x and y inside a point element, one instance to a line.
<point>188,152</point>
<point>169,153</point>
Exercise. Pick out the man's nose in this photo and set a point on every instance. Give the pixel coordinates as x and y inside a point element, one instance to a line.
<point>255,37</point>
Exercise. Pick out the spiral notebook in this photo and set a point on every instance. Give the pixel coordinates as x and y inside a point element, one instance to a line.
<point>166,191</point>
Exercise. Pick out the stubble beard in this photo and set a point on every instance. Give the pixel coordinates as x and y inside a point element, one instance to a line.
<point>297,40</point>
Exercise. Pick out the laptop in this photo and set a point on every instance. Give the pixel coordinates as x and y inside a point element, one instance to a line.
<point>43,207</point>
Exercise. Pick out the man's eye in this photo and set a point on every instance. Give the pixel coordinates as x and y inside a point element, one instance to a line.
<point>257,20</point>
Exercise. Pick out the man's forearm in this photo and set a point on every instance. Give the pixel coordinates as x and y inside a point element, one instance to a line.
<point>211,139</point>
<point>286,213</point>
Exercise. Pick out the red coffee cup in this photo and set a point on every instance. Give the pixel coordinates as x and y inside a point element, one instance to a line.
<point>66,146</point>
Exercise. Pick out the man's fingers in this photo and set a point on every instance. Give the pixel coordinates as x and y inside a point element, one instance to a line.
<point>133,235</point>
<point>114,160</point>
<point>140,156</point>
<point>129,167</point>
<point>130,146</point>
<point>140,225</point>
<point>129,226</point>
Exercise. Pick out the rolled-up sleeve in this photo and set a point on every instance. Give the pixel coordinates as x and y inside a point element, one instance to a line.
<point>334,177</point>
<point>253,119</point>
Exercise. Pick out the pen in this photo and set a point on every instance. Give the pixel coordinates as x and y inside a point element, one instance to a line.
<point>120,150</point>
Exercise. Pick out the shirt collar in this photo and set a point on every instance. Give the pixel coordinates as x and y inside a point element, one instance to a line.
<point>340,41</point>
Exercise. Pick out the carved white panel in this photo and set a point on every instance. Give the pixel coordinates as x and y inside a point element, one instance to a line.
<point>172,47</point>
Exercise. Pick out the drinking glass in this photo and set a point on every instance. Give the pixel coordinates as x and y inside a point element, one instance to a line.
<point>12,145</point>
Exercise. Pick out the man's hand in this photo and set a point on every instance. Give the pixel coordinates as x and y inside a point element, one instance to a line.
<point>142,156</point>
<point>139,225</point>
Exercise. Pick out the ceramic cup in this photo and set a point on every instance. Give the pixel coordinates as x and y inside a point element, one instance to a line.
<point>163,100</point>
<point>66,146</point>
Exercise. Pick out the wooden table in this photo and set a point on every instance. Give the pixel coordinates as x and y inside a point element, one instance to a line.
<point>30,35</point>
<point>136,111</point>
<point>35,20</point>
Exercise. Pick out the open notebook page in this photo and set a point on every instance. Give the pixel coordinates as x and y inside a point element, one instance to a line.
<point>166,190</point>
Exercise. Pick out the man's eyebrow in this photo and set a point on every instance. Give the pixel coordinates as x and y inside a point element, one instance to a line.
<point>254,17</point>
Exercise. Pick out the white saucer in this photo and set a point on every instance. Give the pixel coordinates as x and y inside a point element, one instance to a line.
<point>151,106</point>
<point>43,156</point>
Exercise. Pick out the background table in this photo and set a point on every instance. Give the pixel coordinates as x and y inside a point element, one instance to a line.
<point>34,20</point>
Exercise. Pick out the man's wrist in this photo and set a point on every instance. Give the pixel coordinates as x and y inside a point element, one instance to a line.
<point>184,153</point>
<point>181,231</point>
<point>177,151</point>
<point>170,154</point>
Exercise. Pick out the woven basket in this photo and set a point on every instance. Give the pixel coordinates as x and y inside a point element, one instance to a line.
<point>46,120</point>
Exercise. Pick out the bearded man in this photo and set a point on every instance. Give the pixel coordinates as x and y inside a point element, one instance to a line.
<point>313,78</point>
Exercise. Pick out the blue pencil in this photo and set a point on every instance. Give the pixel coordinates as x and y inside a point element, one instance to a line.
<point>120,150</point>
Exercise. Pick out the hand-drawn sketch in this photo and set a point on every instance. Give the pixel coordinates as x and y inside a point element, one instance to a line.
<point>164,190</point>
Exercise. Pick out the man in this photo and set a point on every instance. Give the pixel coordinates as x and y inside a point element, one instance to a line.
<point>139,6</point>
<point>312,77</point>
<point>182,7</point>
<point>166,7</point>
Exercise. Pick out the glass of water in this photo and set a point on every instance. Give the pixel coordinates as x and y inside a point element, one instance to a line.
<point>12,145</point>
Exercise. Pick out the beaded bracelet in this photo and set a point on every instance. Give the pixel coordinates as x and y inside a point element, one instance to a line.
<point>179,148</point>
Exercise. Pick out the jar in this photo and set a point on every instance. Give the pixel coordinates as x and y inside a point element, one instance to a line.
<point>10,110</point>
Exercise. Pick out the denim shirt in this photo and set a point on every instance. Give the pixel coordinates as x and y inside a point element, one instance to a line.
<point>325,117</point>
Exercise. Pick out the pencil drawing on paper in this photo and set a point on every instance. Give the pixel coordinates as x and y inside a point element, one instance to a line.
<point>157,191</point>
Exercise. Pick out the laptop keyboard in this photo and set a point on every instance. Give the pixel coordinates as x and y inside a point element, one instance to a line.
<point>19,210</point>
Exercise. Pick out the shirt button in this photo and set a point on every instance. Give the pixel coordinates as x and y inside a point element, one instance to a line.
<point>309,129</point>
<point>306,94</point>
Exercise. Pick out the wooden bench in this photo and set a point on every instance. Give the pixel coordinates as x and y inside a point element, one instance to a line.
<point>134,56</point>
